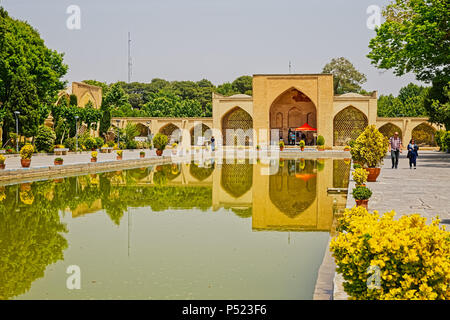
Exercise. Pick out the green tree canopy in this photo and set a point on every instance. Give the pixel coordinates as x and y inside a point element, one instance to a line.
<point>30,75</point>
<point>345,76</point>
<point>416,38</point>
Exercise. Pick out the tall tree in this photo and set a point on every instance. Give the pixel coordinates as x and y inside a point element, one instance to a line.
<point>345,76</point>
<point>243,84</point>
<point>30,75</point>
<point>416,38</point>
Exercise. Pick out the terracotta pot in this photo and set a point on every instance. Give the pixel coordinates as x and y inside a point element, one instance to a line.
<point>159,152</point>
<point>321,149</point>
<point>119,158</point>
<point>302,148</point>
<point>362,203</point>
<point>373,174</point>
<point>346,149</point>
<point>58,163</point>
<point>25,163</point>
<point>281,148</point>
<point>142,155</point>
<point>93,159</point>
<point>2,166</point>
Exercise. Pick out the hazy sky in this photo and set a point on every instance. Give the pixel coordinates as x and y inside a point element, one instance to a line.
<point>214,39</point>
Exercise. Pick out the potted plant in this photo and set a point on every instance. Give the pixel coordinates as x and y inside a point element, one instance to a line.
<point>174,148</point>
<point>362,196</point>
<point>302,145</point>
<point>347,148</point>
<point>119,154</point>
<point>360,177</point>
<point>159,142</point>
<point>258,147</point>
<point>2,162</point>
<point>369,150</point>
<point>25,154</point>
<point>320,143</point>
<point>281,144</point>
<point>58,161</point>
<point>142,154</point>
<point>94,155</point>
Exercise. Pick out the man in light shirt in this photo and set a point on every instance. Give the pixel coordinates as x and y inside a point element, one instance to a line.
<point>395,148</point>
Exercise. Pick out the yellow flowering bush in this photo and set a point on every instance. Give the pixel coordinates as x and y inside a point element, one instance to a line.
<point>360,176</point>
<point>410,258</point>
<point>94,154</point>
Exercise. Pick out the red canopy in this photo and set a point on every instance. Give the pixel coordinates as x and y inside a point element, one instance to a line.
<point>305,127</point>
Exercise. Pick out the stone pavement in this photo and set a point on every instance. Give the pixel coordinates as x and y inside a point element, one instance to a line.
<point>425,190</point>
<point>45,160</point>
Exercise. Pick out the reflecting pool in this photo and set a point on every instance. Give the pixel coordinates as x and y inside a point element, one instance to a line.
<point>234,229</point>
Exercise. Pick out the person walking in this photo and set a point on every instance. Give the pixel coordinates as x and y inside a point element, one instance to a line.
<point>395,148</point>
<point>412,153</point>
<point>213,143</point>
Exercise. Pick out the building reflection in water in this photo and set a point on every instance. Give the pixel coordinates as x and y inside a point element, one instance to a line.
<point>294,198</point>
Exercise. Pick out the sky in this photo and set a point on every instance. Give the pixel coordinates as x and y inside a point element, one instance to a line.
<point>219,40</point>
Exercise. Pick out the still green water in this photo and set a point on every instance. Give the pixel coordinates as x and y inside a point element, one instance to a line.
<point>208,230</point>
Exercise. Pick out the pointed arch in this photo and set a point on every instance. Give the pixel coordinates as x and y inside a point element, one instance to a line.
<point>388,130</point>
<point>172,132</point>
<point>424,135</point>
<point>296,108</point>
<point>237,127</point>
<point>348,125</point>
<point>291,194</point>
<point>236,178</point>
<point>200,130</point>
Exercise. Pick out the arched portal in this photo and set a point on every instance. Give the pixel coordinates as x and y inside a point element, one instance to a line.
<point>172,132</point>
<point>424,135</point>
<point>348,124</point>
<point>290,110</point>
<point>144,131</point>
<point>200,130</point>
<point>389,129</point>
<point>237,128</point>
<point>293,189</point>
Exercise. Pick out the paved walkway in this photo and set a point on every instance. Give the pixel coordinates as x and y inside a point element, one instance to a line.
<point>44,160</point>
<point>425,190</point>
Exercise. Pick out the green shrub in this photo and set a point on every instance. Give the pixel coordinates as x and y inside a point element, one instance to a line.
<point>131,144</point>
<point>446,143</point>
<point>382,258</point>
<point>356,166</point>
<point>99,142</point>
<point>70,143</point>
<point>361,193</point>
<point>320,141</point>
<point>89,142</point>
<point>111,144</point>
<point>45,139</point>
<point>160,141</point>
<point>370,147</point>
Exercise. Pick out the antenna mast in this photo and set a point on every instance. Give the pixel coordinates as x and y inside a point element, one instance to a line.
<point>130,64</point>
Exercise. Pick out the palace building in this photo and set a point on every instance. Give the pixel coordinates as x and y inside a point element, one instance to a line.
<point>280,104</point>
